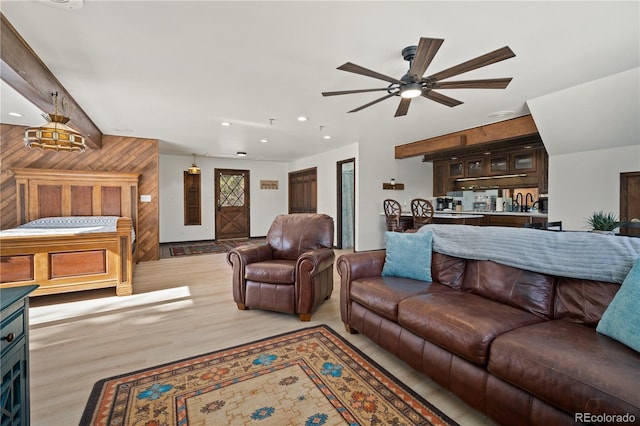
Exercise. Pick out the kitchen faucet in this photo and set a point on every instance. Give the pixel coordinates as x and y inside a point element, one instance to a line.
<point>526,202</point>
<point>518,201</point>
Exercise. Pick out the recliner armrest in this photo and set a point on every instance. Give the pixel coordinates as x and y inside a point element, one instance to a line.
<point>320,259</point>
<point>250,254</point>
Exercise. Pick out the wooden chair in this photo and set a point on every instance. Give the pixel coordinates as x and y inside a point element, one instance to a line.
<point>392,211</point>
<point>422,211</point>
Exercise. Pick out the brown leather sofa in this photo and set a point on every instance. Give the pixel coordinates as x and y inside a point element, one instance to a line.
<point>516,345</point>
<point>292,272</point>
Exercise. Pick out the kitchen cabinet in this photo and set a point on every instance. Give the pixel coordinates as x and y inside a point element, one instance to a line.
<point>14,353</point>
<point>499,165</point>
<point>456,169</point>
<point>474,167</point>
<point>523,161</point>
<point>514,221</point>
<point>440,178</point>
<point>528,167</point>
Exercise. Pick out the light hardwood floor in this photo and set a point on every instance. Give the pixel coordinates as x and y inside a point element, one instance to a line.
<point>181,307</point>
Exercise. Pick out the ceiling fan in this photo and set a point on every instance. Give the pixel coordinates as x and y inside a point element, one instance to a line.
<point>414,84</point>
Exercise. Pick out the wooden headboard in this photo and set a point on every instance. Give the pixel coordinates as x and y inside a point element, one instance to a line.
<point>51,192</point>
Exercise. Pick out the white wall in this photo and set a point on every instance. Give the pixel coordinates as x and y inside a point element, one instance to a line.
<point>585,182</point>
<point>265,204</point>
<point>378,166</point>
<point>592,134</point>
<point>327,175</point>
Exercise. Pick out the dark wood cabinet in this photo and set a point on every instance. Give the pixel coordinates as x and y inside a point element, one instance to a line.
<point>440,178</point>
<point>474,167</point>
<point>456,169</point>
<point>509,168</point>
<point>14,361</point>
<point>514,221</point>
<point>499,165</point>
<point>523,161</point>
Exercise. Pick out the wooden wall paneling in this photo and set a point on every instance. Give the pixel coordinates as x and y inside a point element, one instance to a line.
<point>118,154</point>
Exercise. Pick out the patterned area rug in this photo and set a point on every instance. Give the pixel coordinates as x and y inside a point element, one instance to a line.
<point>204,247</point>
<point>307,377</point>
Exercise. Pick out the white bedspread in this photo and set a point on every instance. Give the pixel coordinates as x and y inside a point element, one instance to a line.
<point>66,225</point>
<point>583,255</point>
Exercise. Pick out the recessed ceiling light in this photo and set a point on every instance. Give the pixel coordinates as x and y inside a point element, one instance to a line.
<point>225,124</point>
<point>15,114</point>
<point>327,136</point>
<point>264,140</point>
<point>241,154</point>
<point>501,114</point>
<point>302,118</point>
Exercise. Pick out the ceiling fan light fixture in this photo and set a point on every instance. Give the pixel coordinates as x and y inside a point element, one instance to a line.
<point>411,90</point>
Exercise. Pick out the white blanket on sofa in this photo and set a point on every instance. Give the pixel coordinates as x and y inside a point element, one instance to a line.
<point>584,255</point>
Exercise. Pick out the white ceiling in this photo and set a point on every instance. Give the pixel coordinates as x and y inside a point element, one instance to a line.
<point>174,70</point>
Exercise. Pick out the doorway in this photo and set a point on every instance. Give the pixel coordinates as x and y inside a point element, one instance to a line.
<point>232,204</point>
<point>345,178</point>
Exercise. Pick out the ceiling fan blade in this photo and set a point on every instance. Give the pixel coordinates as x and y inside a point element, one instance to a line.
<point>348,92</point>
<point>491,83</point>
<point>403,107</point>
<point>373,102</point>
<point>472,64</point>
<point>440,98</point>
<point>357,69</point>
<point>427,49</point>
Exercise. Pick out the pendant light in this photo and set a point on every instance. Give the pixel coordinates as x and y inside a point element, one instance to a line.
<point>194,169</point>
<point>55,135</point>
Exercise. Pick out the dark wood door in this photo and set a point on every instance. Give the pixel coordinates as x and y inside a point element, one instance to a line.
<point>630,202</point>
<point>232,203</point>
<point>303,191</point>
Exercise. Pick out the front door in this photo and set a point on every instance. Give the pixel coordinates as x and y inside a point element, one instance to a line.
<point>232,203</point>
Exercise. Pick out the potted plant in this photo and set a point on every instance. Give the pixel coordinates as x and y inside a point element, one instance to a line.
<point>603,222</point>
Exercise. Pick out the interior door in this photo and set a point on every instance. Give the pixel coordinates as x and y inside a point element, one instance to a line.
<point>232,204</point>
<point>630,202</point>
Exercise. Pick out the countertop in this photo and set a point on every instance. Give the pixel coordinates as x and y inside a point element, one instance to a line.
<point>472,214</point>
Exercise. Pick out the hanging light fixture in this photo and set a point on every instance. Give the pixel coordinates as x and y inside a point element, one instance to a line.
<point>55,135</point>
<point>194,169</point>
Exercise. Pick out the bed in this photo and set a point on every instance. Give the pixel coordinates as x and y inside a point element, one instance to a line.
<point>76,231</point>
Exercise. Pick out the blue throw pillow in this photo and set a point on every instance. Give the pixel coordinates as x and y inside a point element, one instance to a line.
<point>621,319</point>
<point>408,255</point>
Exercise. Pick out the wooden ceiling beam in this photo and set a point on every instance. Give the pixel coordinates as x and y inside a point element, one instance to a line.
<point>23,70</point>
<point>476,137</point>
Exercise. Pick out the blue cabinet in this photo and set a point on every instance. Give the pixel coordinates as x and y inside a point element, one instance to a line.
<point>14,353</point>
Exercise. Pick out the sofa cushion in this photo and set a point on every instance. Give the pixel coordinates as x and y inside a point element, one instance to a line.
<point>531,291</point>
<point>582,301</point>
<point>621,320</point>
<point>382,294</point>
<point>271,271</point>
<point>408,255</point>
<point>447,270</point>
<point>463,323</point>
<point>570,366</point>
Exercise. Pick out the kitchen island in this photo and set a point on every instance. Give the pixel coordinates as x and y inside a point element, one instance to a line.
<point>490,218</point>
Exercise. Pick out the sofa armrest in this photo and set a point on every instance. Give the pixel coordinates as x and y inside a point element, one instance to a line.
<point>239,258</point>
<point>314,279</point>
<point>352,266</point>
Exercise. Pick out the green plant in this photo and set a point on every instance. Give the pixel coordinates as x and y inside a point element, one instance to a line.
<point>601,221</point>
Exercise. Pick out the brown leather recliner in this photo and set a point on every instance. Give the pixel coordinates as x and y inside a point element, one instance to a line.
<point>293,272</point>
